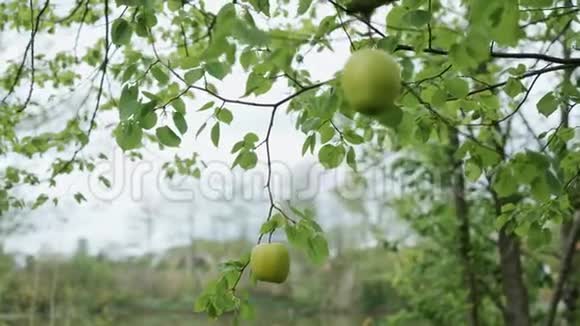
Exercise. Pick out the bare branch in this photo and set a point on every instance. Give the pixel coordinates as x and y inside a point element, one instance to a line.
<point>526,75</point>
<point>104,66</point>
<point>516,110</point>
<point>29,47</point>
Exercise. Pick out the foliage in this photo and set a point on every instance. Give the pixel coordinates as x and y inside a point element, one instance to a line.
<point>471,72</point>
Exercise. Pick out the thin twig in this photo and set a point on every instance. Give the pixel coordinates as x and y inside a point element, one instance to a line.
<point>352,47</point>
<point>516,110</point>
<point>420,81</point>
<point>184,40</point>
<point>552,137</point>
<point>526,75</point>
<point>545,19</point>
<point>547,9</point>
<point>29,46</point>
<point>71,13</point>
<point>104,66</point>
<point>82,22</point>
<point>530,129</point>
<point>235,101</point>
<point>33,29</point>
<point>268,185</point>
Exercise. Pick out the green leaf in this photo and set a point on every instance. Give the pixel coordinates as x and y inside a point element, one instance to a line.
<point>472,170</point>
<point>538,236</point>
<point>457,87</point>
<point>224,115</point>
<point>503,182</point>
<point>297,236</point>
<point>238,146</point>
<point>129,72</point>
<point>352,137</point>
<point>309,143</point>
<point>246,160</point>
<point>180,123</point>
<point>167,137</point>
<point>276,221</point>
<point>519,70</point>
<point>326,132</point>
<point>303,6</point>
<point>547,104</point>
<point>262,6</point>
<point>248,58</point>
<point>318,249</point>
<point>514,87</point>
<point>161,76</point>
<point>193,75</point>
<point>106,182</point>
<point>327,24</point>
<point>178,105</point>
<point>200,130</point>
<point>40,200</point>
<point>249,34</point>
<point>540,189</point>
<point>351,158</point>
<point>554,183</point>
<point>121,32</point>
<point>217,69</point>
<point>128,104</point>
<point>207,106</point>
<point>148,120</point>
<point>251,138</point>
<point>388,43</point>
<point>505,21</point>
<point>391,118</point>
<point>79,197</point>
<point>147,19</point>
<point>215,134</point>
<point>331,156</point>
<point>257,84</point>
<point>417,18</point>
<point>174,5</point>
<point>128,134</point>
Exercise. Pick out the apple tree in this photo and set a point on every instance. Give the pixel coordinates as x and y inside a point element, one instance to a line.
<point>485,132</point>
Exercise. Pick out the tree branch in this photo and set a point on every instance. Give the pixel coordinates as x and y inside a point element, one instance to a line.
<point>304,89</point>
<point>29,47</point>
<point>526,75</point>
<point>104,66</point>
<point>516,110</point>
<point>493,54</point>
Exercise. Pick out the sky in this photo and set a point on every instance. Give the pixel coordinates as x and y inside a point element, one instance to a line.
<point>115,220</point>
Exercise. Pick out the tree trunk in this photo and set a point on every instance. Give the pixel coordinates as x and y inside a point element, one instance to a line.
<point>514,289</point>
<point>571,290</point>
<point>566,268</point>
<point>465,248</point>
<point>517,310</point>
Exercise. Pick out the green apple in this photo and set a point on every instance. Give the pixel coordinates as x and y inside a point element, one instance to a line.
<point>371,81</point>
<point>270,262</point>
